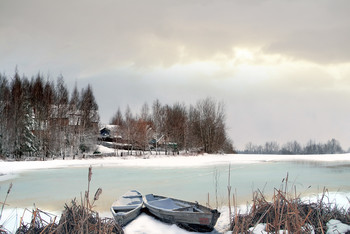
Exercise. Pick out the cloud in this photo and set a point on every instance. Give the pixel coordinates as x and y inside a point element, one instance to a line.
<point>115,33</point>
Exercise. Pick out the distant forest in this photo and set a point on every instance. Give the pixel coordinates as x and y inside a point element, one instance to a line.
<point>293,147</point>
<point>39,118</point>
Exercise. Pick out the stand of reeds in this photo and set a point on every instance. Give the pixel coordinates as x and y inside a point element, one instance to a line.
<point>2,229</point>
<point>76,218</point>
<point>286,212</point>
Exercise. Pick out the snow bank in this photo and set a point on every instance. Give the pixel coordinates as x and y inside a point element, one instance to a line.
<point>142,224</point>
<point>336,227</point>
<point>146,224</point>
<point>333,227</point>
<point>163,161</point>
<point>104,149</point>
<point>11,218</point>
<point>338,199</point>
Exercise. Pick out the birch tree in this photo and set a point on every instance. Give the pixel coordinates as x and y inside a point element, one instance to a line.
<point>61,117</point>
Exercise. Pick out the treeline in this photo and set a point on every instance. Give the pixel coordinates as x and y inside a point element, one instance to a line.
<point>39,118</point>
<point>294,147</point>
<point>200,127</point>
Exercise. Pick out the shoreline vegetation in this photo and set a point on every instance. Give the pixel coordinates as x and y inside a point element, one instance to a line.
<point>284,212</point>
<point>75,218</point>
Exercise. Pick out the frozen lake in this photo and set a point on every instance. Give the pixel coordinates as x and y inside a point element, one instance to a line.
<point>50,188</point>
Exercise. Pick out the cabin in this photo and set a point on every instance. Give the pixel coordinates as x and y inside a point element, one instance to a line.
<point>110,133</point>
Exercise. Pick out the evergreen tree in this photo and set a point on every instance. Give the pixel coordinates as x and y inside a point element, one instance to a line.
<point>28,139</point>
<point>4,115</point>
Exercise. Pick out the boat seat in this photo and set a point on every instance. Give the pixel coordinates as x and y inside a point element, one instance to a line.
<point>132,197</point>
<point>127,207</point>
<point>186,208</point>
<point>127,201</point>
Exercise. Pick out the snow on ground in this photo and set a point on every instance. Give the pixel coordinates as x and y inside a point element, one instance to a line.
<point>105,150</point>
<point>336,227</point>
<point>147,224</point>
<point>162,161</point>
<point>11,218</point>
<point>142,224</point>
<point>339,199</point>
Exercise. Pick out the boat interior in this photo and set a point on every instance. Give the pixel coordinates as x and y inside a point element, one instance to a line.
<point>170,204</point>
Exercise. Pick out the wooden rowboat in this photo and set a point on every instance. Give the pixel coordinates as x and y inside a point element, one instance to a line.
<point>127,207</point>
<point>188,215</point>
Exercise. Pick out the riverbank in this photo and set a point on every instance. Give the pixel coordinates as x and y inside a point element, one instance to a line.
<point>8,167</point>
<point>147,224</point>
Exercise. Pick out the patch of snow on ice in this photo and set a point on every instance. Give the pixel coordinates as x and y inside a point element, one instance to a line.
<point>5,177</point>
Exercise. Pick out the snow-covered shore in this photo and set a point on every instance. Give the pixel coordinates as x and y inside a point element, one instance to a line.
<point>9,167</point>
<point>147,224</point>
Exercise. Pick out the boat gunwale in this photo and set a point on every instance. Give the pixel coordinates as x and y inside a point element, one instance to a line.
<point>127,215</point>
<point>204,209</point>
<point>212,214</point>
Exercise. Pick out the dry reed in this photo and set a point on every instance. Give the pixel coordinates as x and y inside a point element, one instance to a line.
<point>2,229</point>
<point>286,212</point>
<point>76,218</point>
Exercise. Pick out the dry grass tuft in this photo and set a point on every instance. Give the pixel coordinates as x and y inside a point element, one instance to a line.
<point>76,218</point>
<point>287,212</point>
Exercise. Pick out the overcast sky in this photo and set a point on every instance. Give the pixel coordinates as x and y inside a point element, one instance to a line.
<point>281,67</point>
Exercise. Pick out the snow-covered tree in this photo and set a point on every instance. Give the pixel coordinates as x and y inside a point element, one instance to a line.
<point>89,119</point>
<point>28,141</point>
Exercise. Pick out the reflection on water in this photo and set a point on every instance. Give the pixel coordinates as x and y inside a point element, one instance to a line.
<point>336,166</point>
<point>50,189</point>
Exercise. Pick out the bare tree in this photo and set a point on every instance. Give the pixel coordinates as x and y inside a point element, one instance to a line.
<point>145,113</point>
<point>271,147</point>
<point>129,122</point>
<point>74,122</point>
<point>157,121</point>
<point>176,118</point>
<point>209,125</point>
<point>118,118</point>
<point>89,119</point>
<point>60,118</point>
<point>292,147</point>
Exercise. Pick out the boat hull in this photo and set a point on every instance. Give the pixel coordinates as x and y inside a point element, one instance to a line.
<point>123,218</point>
<point>127,207</point>
<point>194,217</point>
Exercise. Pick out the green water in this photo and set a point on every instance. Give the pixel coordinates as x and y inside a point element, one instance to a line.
<point>50,189</point>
